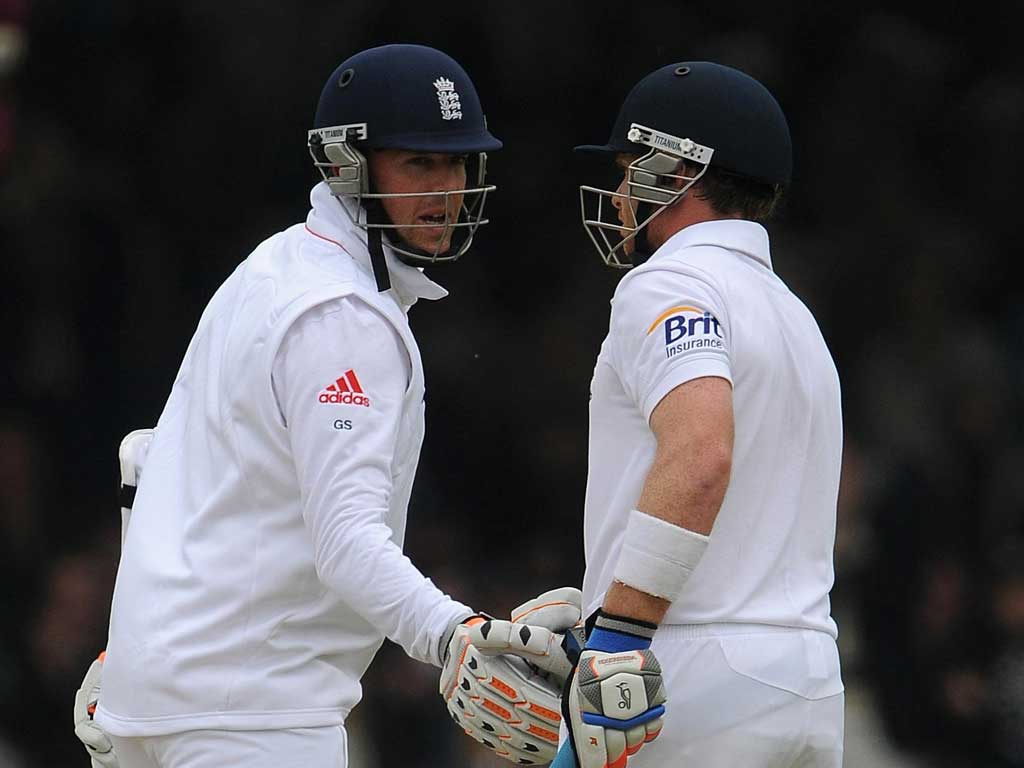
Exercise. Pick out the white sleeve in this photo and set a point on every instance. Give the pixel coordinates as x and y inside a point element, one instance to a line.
<point>667,328</point>
<point>344,472</point>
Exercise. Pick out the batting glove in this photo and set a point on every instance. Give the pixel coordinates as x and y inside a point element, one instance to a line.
<point>536,644</point>
<point>96,741</point>
<point>501,680</point>
<point>561,611</point>
<point>508,706</point>
<point>615,700</point>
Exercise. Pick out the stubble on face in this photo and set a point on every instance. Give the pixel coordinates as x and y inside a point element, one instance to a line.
<point>423,220</point>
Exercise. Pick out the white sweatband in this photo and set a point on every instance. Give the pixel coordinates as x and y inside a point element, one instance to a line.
<point>658,557</point>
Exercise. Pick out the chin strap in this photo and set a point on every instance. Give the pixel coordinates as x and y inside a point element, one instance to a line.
<point>377,261</point>
<point>374,242</point>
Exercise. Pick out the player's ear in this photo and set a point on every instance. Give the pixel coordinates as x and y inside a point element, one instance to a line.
<point>687,169</point>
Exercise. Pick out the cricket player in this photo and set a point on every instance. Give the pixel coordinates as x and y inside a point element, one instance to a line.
<point>262,567</point>
<point>715,443</point>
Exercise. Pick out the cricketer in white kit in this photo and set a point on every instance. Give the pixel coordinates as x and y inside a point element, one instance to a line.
<point>714,458</point>
<point>262,566</point>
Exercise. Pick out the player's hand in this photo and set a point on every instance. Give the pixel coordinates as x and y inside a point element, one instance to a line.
<point>508,706</point>
<point>534,643</point>
<point>97,743</point>
<point>492,637</point>
<point>559,610</point>
<point>501,680</point>
<point>615,700</point>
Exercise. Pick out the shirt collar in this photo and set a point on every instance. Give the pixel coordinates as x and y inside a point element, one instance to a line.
<point>740,235</point>
<point>328,221</point>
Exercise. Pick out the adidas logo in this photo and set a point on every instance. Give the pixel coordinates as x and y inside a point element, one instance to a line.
<point>345,390</point>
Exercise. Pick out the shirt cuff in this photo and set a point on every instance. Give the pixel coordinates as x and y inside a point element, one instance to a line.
<point>456,614</point>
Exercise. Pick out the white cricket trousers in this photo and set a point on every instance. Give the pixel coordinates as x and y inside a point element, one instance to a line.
<point>292,748</point>
<point>747,696</point>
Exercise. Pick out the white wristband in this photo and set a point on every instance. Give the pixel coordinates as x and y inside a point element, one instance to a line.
<point>658,557</point>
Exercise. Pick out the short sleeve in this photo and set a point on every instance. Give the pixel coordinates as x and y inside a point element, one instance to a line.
<point>667,327</point>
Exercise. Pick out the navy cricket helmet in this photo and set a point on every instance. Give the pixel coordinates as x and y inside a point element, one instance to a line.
<point>408,97</point>
<point>714,105</point>
<point>704,113</point>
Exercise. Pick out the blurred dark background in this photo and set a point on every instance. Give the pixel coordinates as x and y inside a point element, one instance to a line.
<point>146,148</point>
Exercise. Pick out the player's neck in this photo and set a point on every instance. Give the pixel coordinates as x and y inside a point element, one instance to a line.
<point>685,213</point>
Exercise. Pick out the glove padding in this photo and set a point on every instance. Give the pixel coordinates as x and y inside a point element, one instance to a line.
<point>615,701</point>
<point>508,706</point>
<point>96,741</point>
<point>510,703</point>
<point>533,642</point>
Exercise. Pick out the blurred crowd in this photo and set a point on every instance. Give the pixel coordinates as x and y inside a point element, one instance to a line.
<point>146,148</point>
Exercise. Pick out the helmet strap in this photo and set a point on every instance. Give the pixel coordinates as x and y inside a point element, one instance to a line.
<point>375,214</point>
<point>374,243</point>
<point>380,266</point>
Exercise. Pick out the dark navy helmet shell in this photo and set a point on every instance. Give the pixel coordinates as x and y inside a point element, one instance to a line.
<point>716,106</point>
<point>409,97</point>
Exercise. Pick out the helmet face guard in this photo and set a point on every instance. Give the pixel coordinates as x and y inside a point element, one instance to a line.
<point>345,170</point>
<point>654,181</point>
<point>404,97</point>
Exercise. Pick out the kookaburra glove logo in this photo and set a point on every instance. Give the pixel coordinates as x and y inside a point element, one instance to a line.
<point>625,696</point>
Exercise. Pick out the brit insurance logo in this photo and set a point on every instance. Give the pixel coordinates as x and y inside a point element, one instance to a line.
<point>346,390</point>
<point>448,99</point>
<point>688,328</point>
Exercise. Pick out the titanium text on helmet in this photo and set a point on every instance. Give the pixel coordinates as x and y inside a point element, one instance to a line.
<point>652,183</point>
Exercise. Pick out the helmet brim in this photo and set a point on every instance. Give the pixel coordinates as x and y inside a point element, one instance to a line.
<point>448,144</point>
<point>596,149</point>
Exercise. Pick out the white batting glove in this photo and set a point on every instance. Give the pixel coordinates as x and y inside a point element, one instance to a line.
<point>492,637</point>
<point>559,610</point>
<point>501,680</point>
<point>508,706</point>
<point>97,743</point>
<point>615,701</point>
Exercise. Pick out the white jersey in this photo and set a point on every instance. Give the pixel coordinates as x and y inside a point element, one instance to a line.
<point>708,304</point>
<point>263,567</point>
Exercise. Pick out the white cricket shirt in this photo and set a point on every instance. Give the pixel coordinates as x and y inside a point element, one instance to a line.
<point>263,567</point>
<point>708,304</point>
